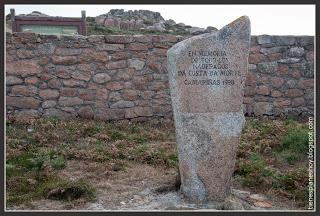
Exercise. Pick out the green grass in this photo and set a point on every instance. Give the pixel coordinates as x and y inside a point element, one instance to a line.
<point>283,168</point>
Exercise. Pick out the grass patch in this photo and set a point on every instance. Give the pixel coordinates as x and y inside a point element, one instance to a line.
<point>267,151</point>
<point>32,186</point>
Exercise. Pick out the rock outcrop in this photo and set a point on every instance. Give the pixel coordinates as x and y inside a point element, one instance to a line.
<point>145,20</point>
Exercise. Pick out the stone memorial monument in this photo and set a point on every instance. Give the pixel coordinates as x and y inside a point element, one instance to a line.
<point>207,76</point>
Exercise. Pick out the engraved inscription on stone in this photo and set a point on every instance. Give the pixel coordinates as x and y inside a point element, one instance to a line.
<point>207,75</point>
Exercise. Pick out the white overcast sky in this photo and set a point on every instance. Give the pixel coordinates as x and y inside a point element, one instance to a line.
<point>265,19</point>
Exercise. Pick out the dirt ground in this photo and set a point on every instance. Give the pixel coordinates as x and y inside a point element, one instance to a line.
<point>139,187</point>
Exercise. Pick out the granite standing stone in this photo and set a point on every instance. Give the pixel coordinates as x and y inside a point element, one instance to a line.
<point>207,76</point>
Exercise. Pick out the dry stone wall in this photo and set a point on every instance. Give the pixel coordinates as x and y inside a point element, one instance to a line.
<point>125,77</point>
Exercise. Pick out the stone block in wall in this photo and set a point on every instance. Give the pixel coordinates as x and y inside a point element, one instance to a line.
<point>118,39</point>
<point>31,80</point>
<point>142,38</point>
<point>53,112</point>
<point>74,83</point>
<point>294,93</point>
<point>48,93</point>
<point>46,49</point>
<point>256,58</point>
<point>114,86</point>
<point>263,108</point>
<point>137,47</point>
<point>110,47</point>
<point>281,103</point>
<point>117,64</point>
<point>70,101</point>
<point>64,60</point>
<point>306,69</point>
<point>271,50</point>
<point>276,82</point>
<point>25,54</point>
<point>86,112</point>
<point>101,78</point>
<point>124,74</point>
<point>87,94</point>
<point>267,67</point>
<point>305,40</point>
<point>22,102</point>
<point>136,64</point>
<point>298,102</point>
<point>296,52</point>
<point>109,114</point>
<point>263,90</point>
<point>310,56</point>
<point>284,40</point>
<point>48,104</point>
<point>62,51</point>
<point>96,38</point>
<point>24,90</point>
<point>283,69</point>
<point>289,60</point>
<point>264,39</point>
<point>23,68</point>
<point>122,104</point>
<point>135,112</point>
<point>13,80</point>
<point>276,94</point>
<point>306,83</point>
<point>25,115</point>
<point>68,92</point>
